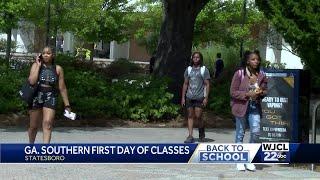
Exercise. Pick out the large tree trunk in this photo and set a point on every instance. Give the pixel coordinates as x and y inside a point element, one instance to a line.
<point>39,39</point>
<point>175,43</point>
<point>8,47</point>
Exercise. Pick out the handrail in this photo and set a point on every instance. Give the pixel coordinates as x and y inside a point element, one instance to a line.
<point>314,134</point>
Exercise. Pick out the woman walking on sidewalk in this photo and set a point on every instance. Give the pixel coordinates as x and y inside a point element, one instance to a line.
<point>248,87</point>
<point>195,94</point>
<point>50,79</point>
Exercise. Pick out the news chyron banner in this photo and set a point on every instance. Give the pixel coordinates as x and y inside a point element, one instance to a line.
<point>160,153</point>
<point>278,107</point>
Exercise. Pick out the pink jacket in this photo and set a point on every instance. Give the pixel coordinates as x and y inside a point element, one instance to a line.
<point>239,87</point>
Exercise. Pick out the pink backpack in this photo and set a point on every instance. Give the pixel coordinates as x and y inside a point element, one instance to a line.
<point>240,74</point>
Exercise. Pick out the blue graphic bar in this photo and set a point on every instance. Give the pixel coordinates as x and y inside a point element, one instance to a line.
<point>159,153</point>
<point>96,153</point>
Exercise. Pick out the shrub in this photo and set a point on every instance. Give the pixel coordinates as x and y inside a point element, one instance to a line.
<point>143,98</point>
<point>91,94</point>
<point>122,67</point>
<point>219,100</point>
<point>10,83</point>
<point>229,55</point>
<point>3,45</point>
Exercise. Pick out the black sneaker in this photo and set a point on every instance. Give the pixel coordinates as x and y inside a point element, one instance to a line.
<point>201,135</point>
<point>189,139</point>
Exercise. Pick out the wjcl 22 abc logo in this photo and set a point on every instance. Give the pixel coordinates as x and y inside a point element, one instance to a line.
<point>275,152</point>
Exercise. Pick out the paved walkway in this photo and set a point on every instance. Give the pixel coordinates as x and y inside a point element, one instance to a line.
<point>137,171</point>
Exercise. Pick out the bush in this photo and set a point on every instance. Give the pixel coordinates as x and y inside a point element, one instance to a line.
<point>10,83</point>
<point>143,98</point>
<point>122,67</point>
<point>3,45</point>
<point>219,100</point>
<point>117,69</point>
<point>92,95</point>
<point>229,55</point>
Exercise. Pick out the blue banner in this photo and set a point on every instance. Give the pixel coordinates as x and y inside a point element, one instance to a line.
<point>305,153</point>
<point>275,153</point>
<point>96,153</point>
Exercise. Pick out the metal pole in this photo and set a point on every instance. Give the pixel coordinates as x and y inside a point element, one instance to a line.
<point>314,133</point>
<point>48,23</point>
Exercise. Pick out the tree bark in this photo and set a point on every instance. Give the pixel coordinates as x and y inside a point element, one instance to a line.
<point>9,42</point>
<point>175,43</point>
<point>39,39</point>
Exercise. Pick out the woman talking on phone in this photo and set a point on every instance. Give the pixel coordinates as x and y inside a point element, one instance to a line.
<point>50,79</point>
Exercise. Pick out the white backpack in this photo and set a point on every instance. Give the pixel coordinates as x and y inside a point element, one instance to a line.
<point>202,70</point>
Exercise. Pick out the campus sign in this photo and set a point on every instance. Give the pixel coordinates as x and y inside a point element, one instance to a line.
<point>280,108</point>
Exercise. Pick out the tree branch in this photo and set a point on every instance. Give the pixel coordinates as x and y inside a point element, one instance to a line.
<point>199,4</point>
<point>283,47</point>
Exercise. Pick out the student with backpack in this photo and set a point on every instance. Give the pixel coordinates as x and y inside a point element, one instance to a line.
<point>248,87</point>
<point>195,92</point>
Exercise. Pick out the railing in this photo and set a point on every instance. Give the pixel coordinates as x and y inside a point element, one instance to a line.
<point>19,60</point>
<point>314,130</point>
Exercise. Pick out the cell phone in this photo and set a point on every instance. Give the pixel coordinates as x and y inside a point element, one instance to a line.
<point>40,58</point>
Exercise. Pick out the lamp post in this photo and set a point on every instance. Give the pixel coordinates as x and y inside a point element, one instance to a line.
<point>244,14</point>
<point>48,23</point>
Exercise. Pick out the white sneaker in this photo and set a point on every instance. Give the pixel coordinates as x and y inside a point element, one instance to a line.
<point>251,167</point>
<point>241,167</point>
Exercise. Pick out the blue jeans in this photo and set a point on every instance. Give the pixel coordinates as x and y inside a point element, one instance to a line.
<point>253,116</point>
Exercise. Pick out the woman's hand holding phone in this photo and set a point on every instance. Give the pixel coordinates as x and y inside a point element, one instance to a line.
<point>39,59</point>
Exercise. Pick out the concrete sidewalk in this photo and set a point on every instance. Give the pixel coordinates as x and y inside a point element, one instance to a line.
<point>137,171</point>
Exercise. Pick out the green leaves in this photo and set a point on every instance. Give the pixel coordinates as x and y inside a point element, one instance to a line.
<point>145,23</point>
<point>10,11</point>
<point>10,83</point>
<point>92,95</point>
<point>89,20</point>
<point>298,22</point>
<point>142,98</point>
<point>221,22</point>
<point>98,20</point>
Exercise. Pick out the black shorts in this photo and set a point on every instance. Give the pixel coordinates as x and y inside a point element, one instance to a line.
<point>192,103</point>
<point>45,97</point>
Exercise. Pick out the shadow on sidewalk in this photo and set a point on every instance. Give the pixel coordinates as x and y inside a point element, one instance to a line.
<point>206,140</point>
<point>221,131</point>
<point>58,129</point>
<point>263,166</point>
